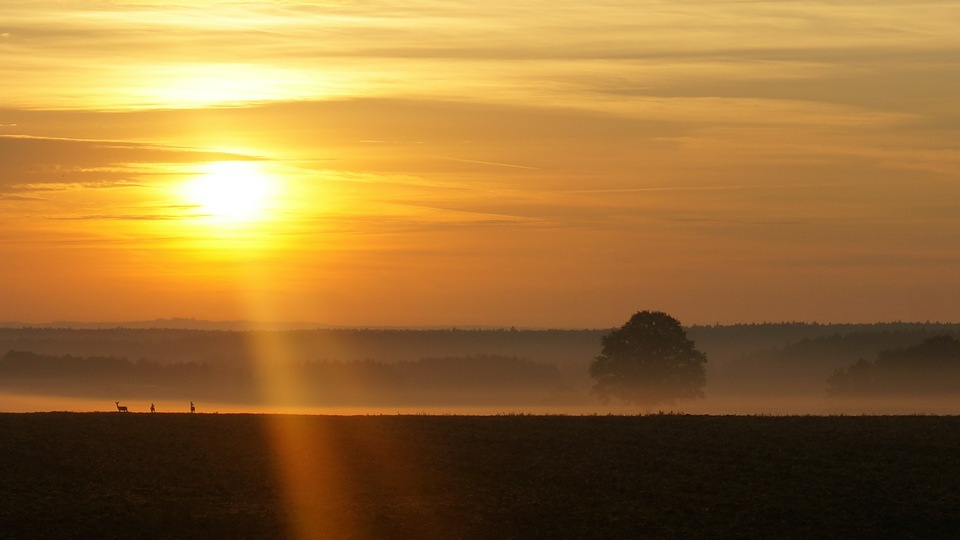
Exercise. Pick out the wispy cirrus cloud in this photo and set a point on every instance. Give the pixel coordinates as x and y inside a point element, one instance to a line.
<point>571,143</point>
<point>123,217</point>
<point>570,54</point>
<point>43,163</point>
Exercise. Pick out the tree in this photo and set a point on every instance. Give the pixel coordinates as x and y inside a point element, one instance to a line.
<point>929,368</point>
<point>648,361</point>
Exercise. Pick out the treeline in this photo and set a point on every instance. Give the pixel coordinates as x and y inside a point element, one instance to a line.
<point>723,344</point>
<point>233,346</point>
<point>483,379</point>
<point>807,364</point>
<point>745,343</point>
<point>929,368</point>
<point>451,366</point>
<point>101,376</point>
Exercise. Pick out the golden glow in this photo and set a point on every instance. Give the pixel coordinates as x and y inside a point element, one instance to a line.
<point>231,192</point>
<point>361,164</point>
<point>201,85</point>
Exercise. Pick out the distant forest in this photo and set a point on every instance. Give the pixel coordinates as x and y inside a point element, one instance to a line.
<point>454,366</point>
<point>932,367</point>
<point>472,380</point>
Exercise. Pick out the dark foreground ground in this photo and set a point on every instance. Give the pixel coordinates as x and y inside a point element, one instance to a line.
<point>114,475</point>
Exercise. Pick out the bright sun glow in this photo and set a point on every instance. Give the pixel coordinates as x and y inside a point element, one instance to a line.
<point>230,191</point>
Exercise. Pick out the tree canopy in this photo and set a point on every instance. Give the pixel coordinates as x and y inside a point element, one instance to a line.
<point>930,367</point>
<point>648,361</point>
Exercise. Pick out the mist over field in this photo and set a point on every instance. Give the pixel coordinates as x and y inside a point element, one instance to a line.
<point>786,368</point>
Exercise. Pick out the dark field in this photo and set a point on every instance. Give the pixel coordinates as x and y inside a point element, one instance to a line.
<point>114,475</point>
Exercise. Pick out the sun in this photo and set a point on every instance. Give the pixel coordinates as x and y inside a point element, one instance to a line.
<point>230,192</point>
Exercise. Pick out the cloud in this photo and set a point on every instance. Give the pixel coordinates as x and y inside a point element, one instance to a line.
<point>494,164</point>
<point>726,187</point>
<point>163,55</point>
<point>43,163</point>
<point>12,197</point>
<point>123,217</point>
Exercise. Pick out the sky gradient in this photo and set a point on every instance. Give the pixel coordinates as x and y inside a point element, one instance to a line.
<point>559,164</point>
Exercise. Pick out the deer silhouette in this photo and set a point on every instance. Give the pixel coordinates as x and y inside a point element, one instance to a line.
<point>192,408</point>
<point>121,408</point>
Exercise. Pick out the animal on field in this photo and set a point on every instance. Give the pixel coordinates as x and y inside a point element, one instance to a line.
<point>121,408</point>
<point>192,408</point>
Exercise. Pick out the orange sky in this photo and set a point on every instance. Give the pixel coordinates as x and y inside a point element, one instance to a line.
<point>445,163</point>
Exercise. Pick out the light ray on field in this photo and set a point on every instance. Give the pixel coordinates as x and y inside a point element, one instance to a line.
<point>321,469</point>
<point>313,481</point>
<point>312,462</point>
<point>307,467</point>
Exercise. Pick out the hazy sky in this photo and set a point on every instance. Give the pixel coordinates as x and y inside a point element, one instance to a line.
<point>551,164</point>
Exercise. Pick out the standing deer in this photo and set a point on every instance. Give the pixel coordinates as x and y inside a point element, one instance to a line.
<point>192,408</point>
<point>121,408</point>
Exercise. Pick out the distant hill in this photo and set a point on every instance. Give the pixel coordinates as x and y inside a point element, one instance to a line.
<point>173,324</point>
<point>186,323</point>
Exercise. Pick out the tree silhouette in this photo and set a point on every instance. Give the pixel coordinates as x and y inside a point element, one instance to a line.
<point>648,361</point>
<point>931,367</point>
